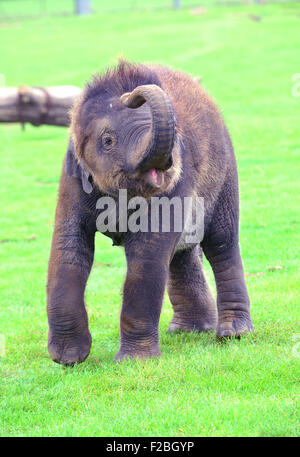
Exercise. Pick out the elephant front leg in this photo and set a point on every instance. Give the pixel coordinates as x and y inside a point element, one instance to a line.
<point>232,297</point>
<point>69,339</point>
<point>142,301</point>
<point>193,304</point>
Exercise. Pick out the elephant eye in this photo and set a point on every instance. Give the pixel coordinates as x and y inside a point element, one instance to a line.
<point>108,141</point>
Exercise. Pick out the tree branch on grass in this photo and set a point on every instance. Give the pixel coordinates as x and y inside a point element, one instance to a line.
<point>38,105</point>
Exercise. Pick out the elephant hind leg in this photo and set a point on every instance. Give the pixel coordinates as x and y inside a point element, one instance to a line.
<point>193,304</point>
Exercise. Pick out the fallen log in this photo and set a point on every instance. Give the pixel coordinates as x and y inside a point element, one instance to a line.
<point>37,105</point>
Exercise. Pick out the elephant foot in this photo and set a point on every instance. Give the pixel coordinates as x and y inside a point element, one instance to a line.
<point>69,350</point>
<point>187,323</point>
<point>138,352</point>
<point>233,324</point>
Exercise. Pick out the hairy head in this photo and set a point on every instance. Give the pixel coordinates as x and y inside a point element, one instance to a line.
<point>124,131</point>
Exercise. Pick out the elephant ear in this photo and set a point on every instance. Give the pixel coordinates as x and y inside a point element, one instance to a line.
<point>76,170</point>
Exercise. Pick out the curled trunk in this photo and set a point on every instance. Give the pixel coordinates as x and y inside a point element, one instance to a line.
<point>157,152</point>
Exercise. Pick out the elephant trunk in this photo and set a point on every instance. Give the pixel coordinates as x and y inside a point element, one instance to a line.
<point>157,152</point>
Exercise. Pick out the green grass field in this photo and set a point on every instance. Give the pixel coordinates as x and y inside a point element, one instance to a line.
<point>198,387</point>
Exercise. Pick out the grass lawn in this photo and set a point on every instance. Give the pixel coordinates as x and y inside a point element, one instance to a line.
<point>198,387</point>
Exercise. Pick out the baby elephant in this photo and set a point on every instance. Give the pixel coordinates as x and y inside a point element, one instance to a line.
<point>148,132</point>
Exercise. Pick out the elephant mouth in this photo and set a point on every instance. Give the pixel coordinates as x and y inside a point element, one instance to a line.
<point>154,177</point>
